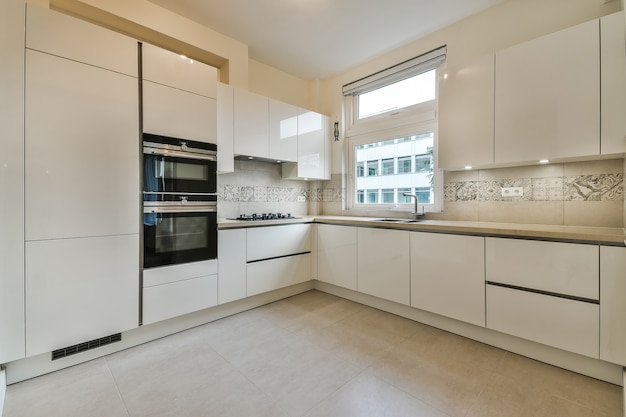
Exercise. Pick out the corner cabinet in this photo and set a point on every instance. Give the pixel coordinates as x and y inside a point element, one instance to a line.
<point>547,97</point>
<point>337,255</point>
<point>613,304</point>
<point>313,148</point>
<point>179,96</point>
<point>466,106</point>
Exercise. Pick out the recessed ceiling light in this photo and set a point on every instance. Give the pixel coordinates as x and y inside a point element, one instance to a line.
<point>250,157</point>
<point>468,167</point>
<point>543,161</point>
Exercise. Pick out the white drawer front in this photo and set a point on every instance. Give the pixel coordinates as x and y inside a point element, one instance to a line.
<point>562,323</point>
<point>563,268</point>
<point>277,273</point>
<point>173,273</point>
<point>177,298</point>
<point>272,241</point>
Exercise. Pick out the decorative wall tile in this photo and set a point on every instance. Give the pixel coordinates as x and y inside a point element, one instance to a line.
<point>603,187</point>
<point>273,194</point>
<point>259,193</point>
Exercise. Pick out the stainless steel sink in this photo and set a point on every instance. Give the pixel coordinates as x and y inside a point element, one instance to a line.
<point>396,220</point>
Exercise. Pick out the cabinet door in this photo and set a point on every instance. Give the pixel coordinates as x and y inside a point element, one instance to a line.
<point>547,97</point>
<point>62,35</point>
<point>251,124</point>
<point>81,150</point>
<point>231,255</point>
<point>12,181</point>
<point>225,126</point>
<point>336,255</point>
<point>612,304</point>
<point>312,136</point>
<point>273,241</point>
<point>283,131</point>
<point>562,268</point>
<point>565,324</point>
<point>79,290</point>
<point>466,112</point>
<point>277,273</point>
<point>172,112</point>
<point>174,70</point>
<point>448,275</point>
<point>383,264</point>
<point>613,82</point>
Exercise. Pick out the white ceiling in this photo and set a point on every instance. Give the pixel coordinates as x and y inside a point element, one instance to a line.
<point>315,39</point>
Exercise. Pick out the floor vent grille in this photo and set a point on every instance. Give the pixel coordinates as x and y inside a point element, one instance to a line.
<point>82,347</point>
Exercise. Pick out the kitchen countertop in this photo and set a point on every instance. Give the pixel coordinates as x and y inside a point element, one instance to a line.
<point>597,235</point>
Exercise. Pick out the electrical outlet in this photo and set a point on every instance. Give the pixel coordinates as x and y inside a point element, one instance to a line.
<point>300,199</point>
<point>512,191</point>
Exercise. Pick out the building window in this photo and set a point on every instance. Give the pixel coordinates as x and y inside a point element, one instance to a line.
<point>360,196</point>
<point>392,133</point>
<point>387,167</point>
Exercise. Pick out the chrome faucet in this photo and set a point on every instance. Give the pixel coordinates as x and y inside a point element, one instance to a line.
<point>416,213</point>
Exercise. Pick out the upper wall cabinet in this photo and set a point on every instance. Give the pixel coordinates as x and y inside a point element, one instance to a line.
<point>251,114</point>
<point>283,134</point>
<point>179,96</point>
<point>313,148</point>
<point>60,35</point>
<point>613,83</point>
<point>547,97</point>
<point>466,115</point>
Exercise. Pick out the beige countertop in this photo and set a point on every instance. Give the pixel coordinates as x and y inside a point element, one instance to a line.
<point>596,235</point>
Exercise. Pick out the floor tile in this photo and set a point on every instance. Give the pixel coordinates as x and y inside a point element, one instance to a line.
<point>87,389</point>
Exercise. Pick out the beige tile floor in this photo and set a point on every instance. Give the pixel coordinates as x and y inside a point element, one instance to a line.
<point>313,355</point>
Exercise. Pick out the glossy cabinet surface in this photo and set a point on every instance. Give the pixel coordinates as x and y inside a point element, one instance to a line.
<point>177,71</point>
<point>612,304</point>
<point>225,126</point>
<point>12,345</point>
<point>562,323</point>
<point>273,241</point>
<point>547,97</point>
<point>79,290</point>
<point>82,152</point>
<point>613,83</point>
<point>169,111</point>
<point>466,115</point>
<point>277,273</point>
<point>448,275</point>
<point>563,268</point>
<point>283,131</point>
<point>62,35</point>
<point>231,255</point>
<point>337,255</point>
<point>313,148</point>
<point>383,264</point>
<point>251,126</point>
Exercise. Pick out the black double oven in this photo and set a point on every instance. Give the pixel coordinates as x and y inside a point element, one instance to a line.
<point>179,201</point>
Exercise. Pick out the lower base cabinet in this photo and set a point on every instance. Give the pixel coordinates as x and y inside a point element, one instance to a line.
<point>231,258</point>
<point>612,304</point>
<point>336,255</point>
<point>559,322</point>
<point>272,274</point>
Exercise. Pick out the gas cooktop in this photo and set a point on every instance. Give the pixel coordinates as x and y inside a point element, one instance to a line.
<point>264,216</point>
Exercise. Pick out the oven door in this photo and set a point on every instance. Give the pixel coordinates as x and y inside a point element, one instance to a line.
<point>179,173</point>
<point>181,234</point>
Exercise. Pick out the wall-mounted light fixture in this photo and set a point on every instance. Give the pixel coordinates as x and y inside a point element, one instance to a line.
<point>336,132</point>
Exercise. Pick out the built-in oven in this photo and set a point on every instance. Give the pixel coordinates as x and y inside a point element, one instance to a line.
<point>179,201</point>
<point>176,232</point>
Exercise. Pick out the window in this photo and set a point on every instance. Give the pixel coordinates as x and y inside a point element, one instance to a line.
<point>387,167</point>
<point>392,134</point>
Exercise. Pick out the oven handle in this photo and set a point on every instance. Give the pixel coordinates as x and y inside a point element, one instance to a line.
<point>179,154</point>
<point>181,209</point>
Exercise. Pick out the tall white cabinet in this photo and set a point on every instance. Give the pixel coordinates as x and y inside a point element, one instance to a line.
<point>81,182</point>
<point>12,342</point>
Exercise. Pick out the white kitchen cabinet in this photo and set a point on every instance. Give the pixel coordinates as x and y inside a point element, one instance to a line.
<point>12,340</point>
<point>556,267</point>
<point>313,148</point>
<point>283,131</point>
<point>172,112</point>
<point>251,124</point>
<point>448,275</point>
<point>547,97</point>
<point>62,35</point>
<point>562,323</point>
<point>613,83</point>
<point>280,240</point>
<point>383,264</point>
<point>174,290</point>
<point>231,255</point>
<point>225,132</point>
<point>79,290</point>
<point>466,114</point>
<point>272,274</point>
<point>612,304</point>
<point>337,255</point>
<point>81,150</point>
<point>177,71</point>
